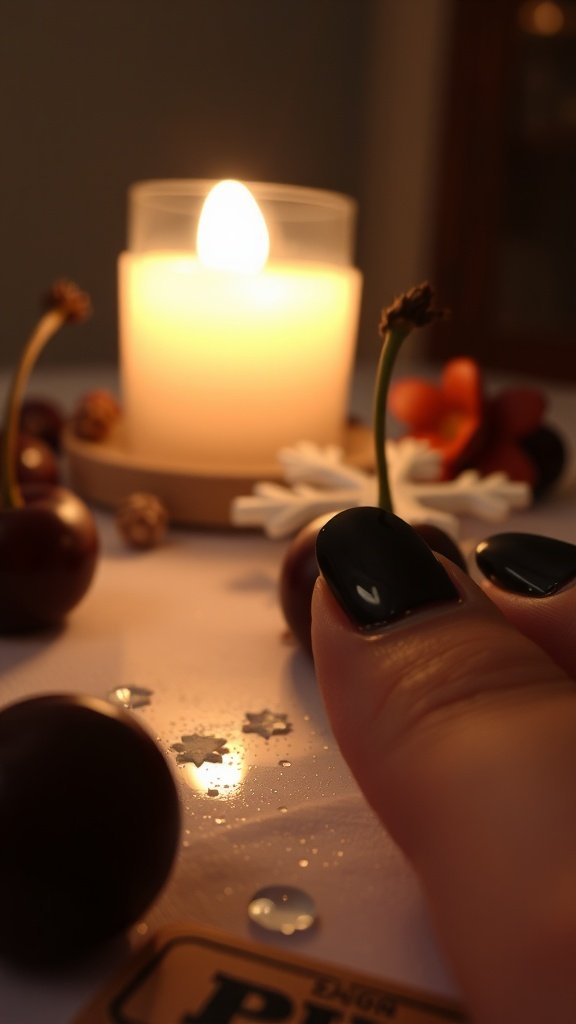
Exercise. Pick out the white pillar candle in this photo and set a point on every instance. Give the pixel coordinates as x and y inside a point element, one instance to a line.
<point>222,367</point>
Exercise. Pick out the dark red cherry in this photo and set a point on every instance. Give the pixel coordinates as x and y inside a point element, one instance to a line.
<point>48,555</point>
<point>48,538</point>
<point>299,572</point>
<point>43,418</point>
<point>548,453</point>
<point>298,575</point>
<point>36,461</point>
<point>89,826</point>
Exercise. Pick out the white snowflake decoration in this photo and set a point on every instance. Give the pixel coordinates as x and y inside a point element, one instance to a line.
<point>320,482</point>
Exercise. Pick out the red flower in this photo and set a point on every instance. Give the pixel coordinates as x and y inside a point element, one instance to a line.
<point>470,430</point>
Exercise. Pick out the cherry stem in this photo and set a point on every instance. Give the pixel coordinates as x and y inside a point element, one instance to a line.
<point>10,491</point>
<point>393,338</point>
<point>413,309</point>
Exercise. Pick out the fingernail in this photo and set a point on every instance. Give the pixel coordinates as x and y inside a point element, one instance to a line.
<point>527,564</point>
<point>378,568</point>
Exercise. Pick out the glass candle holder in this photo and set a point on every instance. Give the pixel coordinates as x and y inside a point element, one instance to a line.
<point>223,362</point>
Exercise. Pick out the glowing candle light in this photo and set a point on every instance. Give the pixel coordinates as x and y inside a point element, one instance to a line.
<point>232,233</point>
<point>228,352</point>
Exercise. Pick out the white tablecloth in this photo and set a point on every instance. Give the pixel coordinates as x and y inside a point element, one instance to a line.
<point>197,622</point>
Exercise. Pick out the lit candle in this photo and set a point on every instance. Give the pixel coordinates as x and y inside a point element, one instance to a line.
<point>226,354</point>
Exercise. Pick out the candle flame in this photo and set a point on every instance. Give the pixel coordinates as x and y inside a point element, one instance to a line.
<point>232,233</point>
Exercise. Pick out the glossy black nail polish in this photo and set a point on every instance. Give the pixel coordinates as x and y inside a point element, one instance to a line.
<point>378,567</point>
<point>527,564</point>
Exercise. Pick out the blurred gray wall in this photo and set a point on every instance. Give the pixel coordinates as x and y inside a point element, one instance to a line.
<point>96,94</point>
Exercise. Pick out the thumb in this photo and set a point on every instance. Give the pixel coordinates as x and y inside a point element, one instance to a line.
<point>462,734</point>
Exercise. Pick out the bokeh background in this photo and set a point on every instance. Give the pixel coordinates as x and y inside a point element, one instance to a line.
<point>451,122</point>
<point>97,94</point>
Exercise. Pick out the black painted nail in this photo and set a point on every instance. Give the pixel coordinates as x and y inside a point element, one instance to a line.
<point>527,564</point>
<point>378,567</point>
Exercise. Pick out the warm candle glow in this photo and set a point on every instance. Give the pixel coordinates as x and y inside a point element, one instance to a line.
<point>232,233</point>
<point>228,356</point>
<point>225,777</point>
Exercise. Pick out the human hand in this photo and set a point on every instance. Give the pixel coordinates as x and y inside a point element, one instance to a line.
<point>458,718</point>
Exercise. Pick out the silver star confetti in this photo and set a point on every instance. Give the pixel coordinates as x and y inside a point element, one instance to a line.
<point>198,749</point>
<point>267,723</point>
